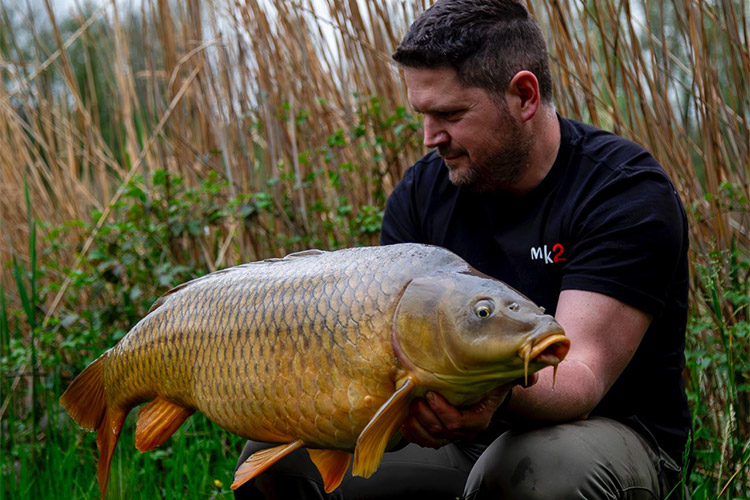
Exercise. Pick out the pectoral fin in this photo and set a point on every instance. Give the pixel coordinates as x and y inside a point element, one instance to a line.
<point>262,460</point>
<point>375,436</point>
<point>157,421</point>
<point>332,465</point>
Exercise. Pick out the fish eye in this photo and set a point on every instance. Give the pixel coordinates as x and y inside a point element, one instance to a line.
<point>484,309</point>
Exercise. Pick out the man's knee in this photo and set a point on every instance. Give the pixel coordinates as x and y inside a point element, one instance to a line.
<point>527,465</point>
<point>578,460</point>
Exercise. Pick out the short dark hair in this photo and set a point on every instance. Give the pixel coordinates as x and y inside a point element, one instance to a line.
<point>486,41</point>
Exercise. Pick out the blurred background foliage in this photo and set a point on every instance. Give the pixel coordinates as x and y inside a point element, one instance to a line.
<point>148,142</point>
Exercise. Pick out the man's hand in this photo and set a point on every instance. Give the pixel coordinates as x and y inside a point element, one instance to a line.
<point>434,422</point>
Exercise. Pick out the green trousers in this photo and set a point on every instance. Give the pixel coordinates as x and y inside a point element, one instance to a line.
<point>597,458</point>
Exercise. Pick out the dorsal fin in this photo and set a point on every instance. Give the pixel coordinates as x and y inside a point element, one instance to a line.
<point>374,438</point>
<point>332,465</point>
<point>157,421</point>
<point>262,460</point>
<point>313,252</point>
<point>305,253</point>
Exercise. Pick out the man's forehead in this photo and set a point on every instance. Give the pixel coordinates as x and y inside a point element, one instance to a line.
<point>442,76</point>
<point>438,87</point>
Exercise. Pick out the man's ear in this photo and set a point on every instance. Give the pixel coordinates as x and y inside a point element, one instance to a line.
<point>524,91</point>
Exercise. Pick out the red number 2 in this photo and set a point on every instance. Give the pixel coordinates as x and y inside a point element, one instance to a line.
<point>559,249</point>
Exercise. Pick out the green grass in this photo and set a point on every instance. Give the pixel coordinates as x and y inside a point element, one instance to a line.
<point>197,462</point>
<point>45,454</point>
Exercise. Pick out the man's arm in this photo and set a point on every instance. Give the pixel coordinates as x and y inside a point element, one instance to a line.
<point>604,334</point>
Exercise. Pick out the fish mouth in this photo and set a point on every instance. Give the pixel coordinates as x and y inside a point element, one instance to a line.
<point>549,350</point>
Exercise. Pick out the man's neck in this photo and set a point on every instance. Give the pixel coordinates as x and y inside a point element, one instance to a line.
<point>546,135</point>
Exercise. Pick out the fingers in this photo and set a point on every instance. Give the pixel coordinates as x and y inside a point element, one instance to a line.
<point>448,416</point>
<point>427,417</point>
<point>434,422</point>
<point>423,427</point>
<point>443,420</point>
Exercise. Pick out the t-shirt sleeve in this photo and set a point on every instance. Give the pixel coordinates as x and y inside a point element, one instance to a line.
<point>401,220</point>
<point>629,236</point>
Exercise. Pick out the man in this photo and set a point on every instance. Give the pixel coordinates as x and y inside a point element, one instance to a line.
<point>583,222</point>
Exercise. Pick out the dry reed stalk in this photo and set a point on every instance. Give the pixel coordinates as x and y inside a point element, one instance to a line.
<point>646,97</point>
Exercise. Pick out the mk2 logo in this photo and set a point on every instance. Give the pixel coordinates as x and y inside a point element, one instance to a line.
<point>548,256</point>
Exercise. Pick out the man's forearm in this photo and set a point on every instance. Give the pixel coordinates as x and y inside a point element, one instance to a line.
<point>576,392</point>
<point>604,334</point>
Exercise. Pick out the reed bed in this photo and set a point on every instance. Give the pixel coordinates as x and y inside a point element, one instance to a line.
<point>288,119</point>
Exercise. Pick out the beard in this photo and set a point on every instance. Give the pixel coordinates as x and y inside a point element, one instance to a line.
<point>495,166</point>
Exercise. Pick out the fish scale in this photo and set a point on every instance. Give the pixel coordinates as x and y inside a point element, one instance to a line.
<point>322,350</point>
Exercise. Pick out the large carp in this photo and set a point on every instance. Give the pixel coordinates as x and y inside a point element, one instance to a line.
<point>321,350</point>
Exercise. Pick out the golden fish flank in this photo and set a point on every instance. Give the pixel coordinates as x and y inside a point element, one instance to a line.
<point>321,350</point>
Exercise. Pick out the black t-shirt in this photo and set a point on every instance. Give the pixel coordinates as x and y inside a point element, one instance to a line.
<point>605,219</point>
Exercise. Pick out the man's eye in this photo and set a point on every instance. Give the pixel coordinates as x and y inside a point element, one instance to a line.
<point>450,115</point>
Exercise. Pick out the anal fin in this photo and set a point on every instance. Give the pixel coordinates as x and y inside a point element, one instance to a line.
<point>332,465</point>
<point>157,421</point>
<point>262,460</point>
<point>374,438</point>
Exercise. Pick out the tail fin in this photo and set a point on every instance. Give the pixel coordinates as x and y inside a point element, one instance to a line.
<point>107,435</point>
<point>85,400</point>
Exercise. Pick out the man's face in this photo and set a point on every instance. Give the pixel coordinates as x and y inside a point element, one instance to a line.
<point>484,147</point>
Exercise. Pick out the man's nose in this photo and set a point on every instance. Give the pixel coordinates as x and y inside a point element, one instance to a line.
<point>434,133</point>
